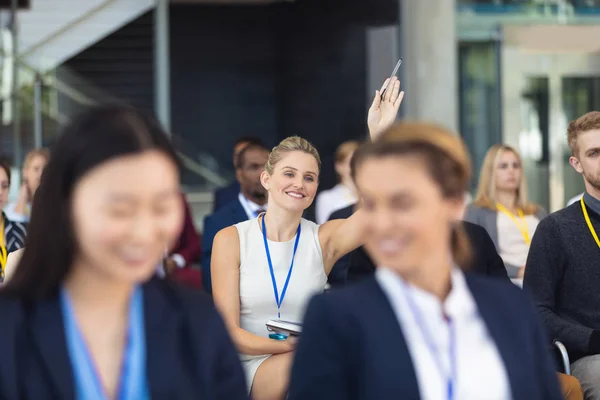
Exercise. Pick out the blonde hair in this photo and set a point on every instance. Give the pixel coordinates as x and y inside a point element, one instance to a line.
<point>585,123</point>
<point>345,149</point>
<point>446,159</point>
<point>486,189</point>
<point>33,154</point>
<point>287,145</point>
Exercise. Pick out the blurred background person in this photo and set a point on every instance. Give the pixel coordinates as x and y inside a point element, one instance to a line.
<point>12,234</point>
<point>31,174</point>
<point>180,262</point>
<point>228,193</point>
<point>502,207</point>
<point>84,319</point>
<point>420,328</point>
<point>342,194</point>
<point>250,201</point>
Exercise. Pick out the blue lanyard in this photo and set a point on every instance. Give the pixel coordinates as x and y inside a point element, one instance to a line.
<point>132,379</point>
<point>451,376</point>
<point>278,300</point>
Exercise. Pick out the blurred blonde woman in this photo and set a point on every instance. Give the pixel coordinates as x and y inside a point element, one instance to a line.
<point>343,194</point>
<point>33,166</point>
<point>501,206</point>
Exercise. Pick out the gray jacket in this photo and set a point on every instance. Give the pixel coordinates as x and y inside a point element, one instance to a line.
<point>489,220</point>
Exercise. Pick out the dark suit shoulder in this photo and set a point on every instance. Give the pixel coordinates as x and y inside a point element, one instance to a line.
<point>351,297</point>
<point>509,295</point>
<point>342,213</point>
<point>187,300</point>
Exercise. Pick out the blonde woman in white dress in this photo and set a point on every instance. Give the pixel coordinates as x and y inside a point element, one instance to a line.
<point>243,277</point>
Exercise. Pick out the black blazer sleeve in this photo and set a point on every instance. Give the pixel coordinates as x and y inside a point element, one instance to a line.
<point>323,344</point>
<point>548,381</point>
<point>486,260</point>
<point>228,381</point>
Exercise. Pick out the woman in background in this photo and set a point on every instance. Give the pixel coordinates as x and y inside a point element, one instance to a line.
<point>343,194</point>
<point>420,328</point>
<point>33,167</point>
<point>501,206</point>
<point>12,234</point>
<point>81,316</point>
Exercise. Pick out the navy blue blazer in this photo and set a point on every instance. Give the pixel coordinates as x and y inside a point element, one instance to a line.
<point>352,347</point>
<point>225,195</point>
<point>230,214</point>
<point>189,353</point>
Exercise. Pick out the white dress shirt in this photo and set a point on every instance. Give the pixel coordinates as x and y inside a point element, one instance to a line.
<point>250,207</point>
<point>512,247</point>
<point>480,372</point>
<point>332,200</point>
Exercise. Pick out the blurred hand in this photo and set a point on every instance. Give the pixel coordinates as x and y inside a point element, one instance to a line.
<point>169,266</point>
<point>291,342</point>
<point>383,112</point>
<point>521,273</point>
<point>23,192</point>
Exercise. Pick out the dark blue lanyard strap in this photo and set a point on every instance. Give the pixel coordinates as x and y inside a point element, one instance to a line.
<point>451,376</point>
<point>278,300</point>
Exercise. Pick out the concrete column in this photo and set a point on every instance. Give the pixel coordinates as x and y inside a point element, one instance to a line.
<point>162,73</point>
<point>430,68</point>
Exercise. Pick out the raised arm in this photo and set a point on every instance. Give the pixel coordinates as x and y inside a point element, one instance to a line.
<point>339,237</point>
<point>383,112</point>
<point>225,271</point>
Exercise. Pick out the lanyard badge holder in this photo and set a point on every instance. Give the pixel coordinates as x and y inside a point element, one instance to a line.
<point>278,300</point>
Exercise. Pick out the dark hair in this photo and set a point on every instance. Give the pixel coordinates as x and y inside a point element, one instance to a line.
<point>98,135</point>
<point>6,169</point>
<point>446,158</point>
<point>247,139</point>
<point>241,158</point>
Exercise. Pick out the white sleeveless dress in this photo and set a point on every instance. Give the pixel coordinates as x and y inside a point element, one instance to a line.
<point>257,299</point>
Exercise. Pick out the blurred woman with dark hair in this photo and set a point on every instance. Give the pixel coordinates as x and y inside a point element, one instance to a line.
<point>82,317</point>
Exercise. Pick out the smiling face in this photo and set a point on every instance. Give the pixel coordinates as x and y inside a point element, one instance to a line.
<point>408,216</point>
<point>294,181</point>
<point>125,213</point>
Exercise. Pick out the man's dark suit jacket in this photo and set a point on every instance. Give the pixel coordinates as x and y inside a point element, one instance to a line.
<point>226,195</point>
<point>230,214</point>
<point>486,260</point>
<point>188,352</point>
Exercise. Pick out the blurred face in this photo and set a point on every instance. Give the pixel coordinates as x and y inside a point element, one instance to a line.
<point>236,151</point>
<point>587,162</point>
<point>4,188</point>
<point>406,212</point>
<point>343,168</point>
<point>33,172</point>
<point>249,171</point>
<point>508,172</point>
<point>125,213</point>
<point>294,182</point>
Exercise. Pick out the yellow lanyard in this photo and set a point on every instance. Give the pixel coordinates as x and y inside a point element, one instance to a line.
<point>522,225</point>
<point>589,223</point>
<point>3,252</point>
